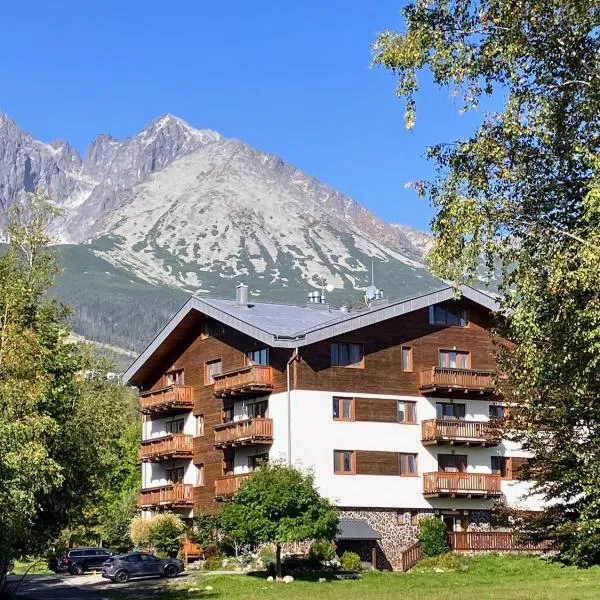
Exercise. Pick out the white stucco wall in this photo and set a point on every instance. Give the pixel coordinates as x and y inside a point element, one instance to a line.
<point>155,428</point>
<point>155,474</point>
<point>315,435</point>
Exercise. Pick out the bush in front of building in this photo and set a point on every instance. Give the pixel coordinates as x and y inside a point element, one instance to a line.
<point>162,532</point>
<point>350,561</point>
<point>432,536</point>
<point>321,551</point>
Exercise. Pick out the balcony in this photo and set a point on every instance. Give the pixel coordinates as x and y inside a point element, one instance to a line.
<point>168,496</point>
<point>464,433</point>
<point>447,380</point>
<point>226,486</point>
<point>252,379</point>
<point>460,485</point>
<point>169,447</point>
<point>244,433</point>
<point>166,400</point>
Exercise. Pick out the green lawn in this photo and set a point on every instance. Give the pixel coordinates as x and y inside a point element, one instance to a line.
<point>490,577</point>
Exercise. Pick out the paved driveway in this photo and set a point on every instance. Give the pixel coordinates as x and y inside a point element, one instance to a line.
<point>84,587</point>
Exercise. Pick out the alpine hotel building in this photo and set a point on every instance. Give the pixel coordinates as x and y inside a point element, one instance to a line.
<point>391,406</point>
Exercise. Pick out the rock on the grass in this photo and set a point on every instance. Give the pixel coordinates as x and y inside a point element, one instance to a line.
<point>193,589</point>
<point>438,570</point>
<point>322,580</point>
<point>270,578</point>
<point>288,579</point>
<point>208,588</point>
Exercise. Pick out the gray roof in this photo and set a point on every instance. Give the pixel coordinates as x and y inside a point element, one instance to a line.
<point>356,529</point>
<point>289,326</point>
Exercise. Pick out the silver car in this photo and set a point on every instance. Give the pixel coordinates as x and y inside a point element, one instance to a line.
<point>122,567</point>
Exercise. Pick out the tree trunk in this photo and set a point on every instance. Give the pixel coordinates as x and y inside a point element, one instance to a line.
<point>278,560</point>
<point>4,560</point>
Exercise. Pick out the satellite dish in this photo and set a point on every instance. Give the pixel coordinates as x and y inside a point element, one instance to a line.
<point>329,287</point>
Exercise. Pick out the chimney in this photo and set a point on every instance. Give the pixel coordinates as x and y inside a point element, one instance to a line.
<point>317,300</point>
<point>241,294</point>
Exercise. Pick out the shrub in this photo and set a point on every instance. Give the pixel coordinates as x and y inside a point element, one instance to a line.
<point>267,556</point>
<point>321,551</point>
<point>139,531</point>
<point>214,563</point>
<point>432,536</point>
<point>162,532</point>
<point>212,551</point>
<point>350,561</point>
<point>445,562</point>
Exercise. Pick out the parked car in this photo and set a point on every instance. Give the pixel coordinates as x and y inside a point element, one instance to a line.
<point>79,560</point>
<point>122,567</point>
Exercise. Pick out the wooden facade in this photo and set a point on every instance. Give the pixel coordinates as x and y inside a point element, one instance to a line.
<point>379,372</point>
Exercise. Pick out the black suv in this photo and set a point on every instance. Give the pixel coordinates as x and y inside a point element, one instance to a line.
<point>79,560</point>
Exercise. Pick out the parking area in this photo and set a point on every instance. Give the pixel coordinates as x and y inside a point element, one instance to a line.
<point>84,587</point>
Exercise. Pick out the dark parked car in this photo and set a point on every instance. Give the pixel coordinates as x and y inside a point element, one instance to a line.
<point>79,560</point>
<point>121,567</point>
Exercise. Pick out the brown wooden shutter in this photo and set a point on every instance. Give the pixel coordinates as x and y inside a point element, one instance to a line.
<point>377,463</point>
<point>381,410</point>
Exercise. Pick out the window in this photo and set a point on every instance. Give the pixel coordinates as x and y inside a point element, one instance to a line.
<point>175,475</point>
<point>133,558</point>
<point>407,412</point>
<point>454,412</point>
<point>200,474</point>
<point>211,369</point>
<point>452,463</point>
<point>497,411</point>
<point>175,426</point>
<point>211,328</point>
<point>448,315</point>
<point>454,359</point>
<point>228,465</point>
<point>227,415</point>
<point>346,355</point>
<point>257,410</point>
<point>500,466</point>
<point>258,357</point>
<point>344,462</point>
<point>200,425</point>
<point>407,358</point>
<point>343,409</point>
<point>408,464</point>
<point>174,377</point>
<point>147,558</point>
<point>257,460</point>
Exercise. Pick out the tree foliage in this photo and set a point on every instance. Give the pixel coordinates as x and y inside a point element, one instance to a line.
<point>523,192</point>
<point>432,536</point>
<point>279,504</point>
<point>162,532</point>
<point>57,427</point>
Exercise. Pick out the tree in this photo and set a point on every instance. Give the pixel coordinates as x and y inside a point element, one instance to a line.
<point>279,504</point>
<point>55,425</point>
<point>523,194</point>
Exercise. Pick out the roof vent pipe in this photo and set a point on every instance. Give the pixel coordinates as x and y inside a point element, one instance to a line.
<point>241,294</point>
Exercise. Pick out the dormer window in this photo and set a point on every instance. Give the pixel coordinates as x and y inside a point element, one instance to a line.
<point>174,377</point>
<point>258,357</point>
<point>448,315</point>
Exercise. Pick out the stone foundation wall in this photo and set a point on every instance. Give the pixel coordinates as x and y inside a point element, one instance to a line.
<point>398,528</point>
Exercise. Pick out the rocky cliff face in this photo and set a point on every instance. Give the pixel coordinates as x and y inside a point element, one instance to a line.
<point>187,208</point>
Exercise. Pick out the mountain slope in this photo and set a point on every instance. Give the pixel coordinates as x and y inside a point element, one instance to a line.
<point>174,210</point>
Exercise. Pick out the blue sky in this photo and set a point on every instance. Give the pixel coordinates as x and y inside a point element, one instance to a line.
<point>292,78</point>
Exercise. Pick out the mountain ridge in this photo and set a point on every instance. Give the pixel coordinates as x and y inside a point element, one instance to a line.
<point>178,208</point>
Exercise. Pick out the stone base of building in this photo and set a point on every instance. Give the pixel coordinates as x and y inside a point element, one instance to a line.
<point>398,528</point>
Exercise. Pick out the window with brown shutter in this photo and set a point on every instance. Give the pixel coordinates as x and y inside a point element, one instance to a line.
<point>344,462</point>
<point>343,409</point>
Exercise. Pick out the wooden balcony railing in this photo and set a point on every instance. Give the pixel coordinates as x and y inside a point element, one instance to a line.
<point>456,484</point>
<point>470,433</point>
<point>443,379</point>
<point>176,494</point>
<point>251,379</point>
<point>226,486</point>
<point>175,445</point>
<point>499,541</point>
<point>244,433</point>
<point>168,399</point>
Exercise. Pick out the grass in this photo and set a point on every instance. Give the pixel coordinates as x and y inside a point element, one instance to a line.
<point>31,566</point>
<point>489,577</point>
